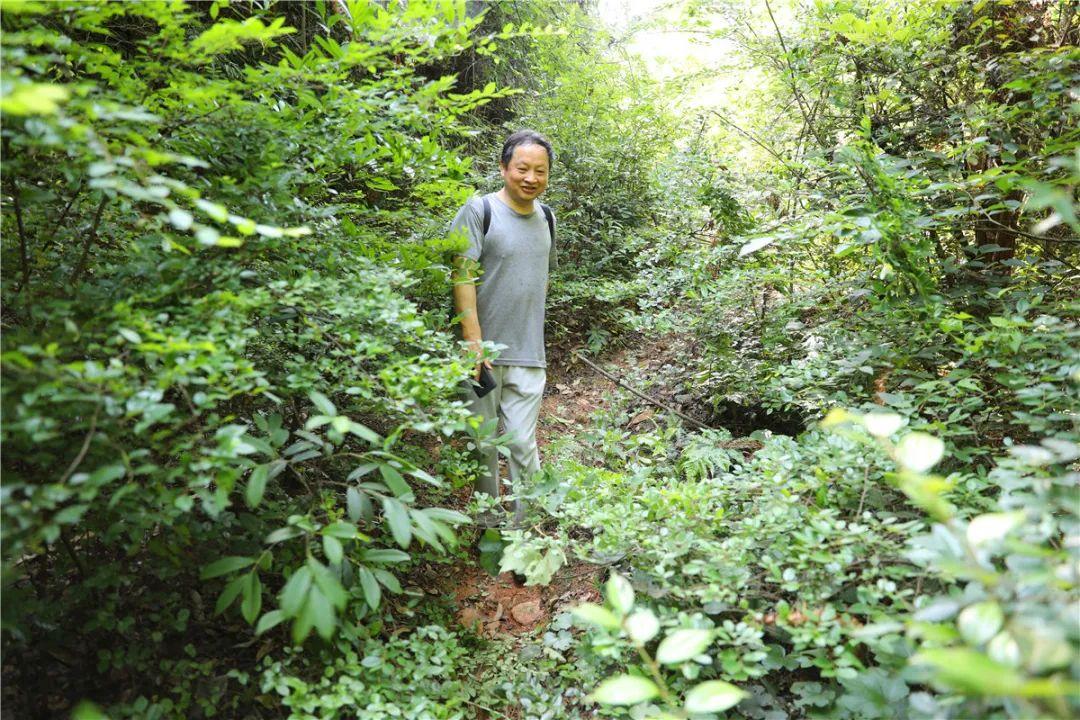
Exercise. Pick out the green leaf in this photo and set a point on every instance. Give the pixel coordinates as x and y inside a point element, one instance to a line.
<point>713,696</point>
<point>364,432</point>
<point>596,615</point>
<point>619,593</point>
<point>181,219</point>
<point>29,98</point>
<point>354,504</point>
<point>329,584</point>
<point>881,424</point>
<point>398,519</point>
<point>251,603</point>
<point>333,549</point>
<point>969,671</point>
<point>683,645</point>
<point>624,690</point>
<point>642,626</point>
<point>87,710</point>
<point>980,622</point>
<point>919,452</point>
<point>256,485</point>
<point>993,527</point>
<point>754,245</point>
<point>372,593</point>
<point>322,403</point>
<point>341,529</point>
<point>377,183</point>
<point>228,595</point>
<point>282,534</point>
<point>385,555</point>
<point>295,591</point>
<point>269,620</point>
<point>225,565</point>
<point>318,612</point>
<point>491,547</point>
<point>395,481</point>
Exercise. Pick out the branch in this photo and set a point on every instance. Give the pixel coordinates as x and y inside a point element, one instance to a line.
<point>794,80</point>
<point>85,446</point>
<point>757,142</point>
<point>87,241</point>
<point>639,394</point>
<point>24,261</point>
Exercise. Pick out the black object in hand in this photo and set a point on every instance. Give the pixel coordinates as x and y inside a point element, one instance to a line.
<point>486,383</point>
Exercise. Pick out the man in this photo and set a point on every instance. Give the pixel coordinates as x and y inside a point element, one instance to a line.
<point>513,257</point>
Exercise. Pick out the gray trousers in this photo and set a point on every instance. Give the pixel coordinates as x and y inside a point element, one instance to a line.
<point>516,402</point>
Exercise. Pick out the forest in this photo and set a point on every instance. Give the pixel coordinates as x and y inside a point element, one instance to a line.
<point>810,436</point>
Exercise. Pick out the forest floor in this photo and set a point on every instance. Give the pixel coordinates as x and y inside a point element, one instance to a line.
<point>576,399</point>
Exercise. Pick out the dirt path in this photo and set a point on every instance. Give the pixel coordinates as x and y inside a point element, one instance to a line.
<point>497,606</point>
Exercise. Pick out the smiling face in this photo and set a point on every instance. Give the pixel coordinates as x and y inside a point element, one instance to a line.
<point>526,175</point>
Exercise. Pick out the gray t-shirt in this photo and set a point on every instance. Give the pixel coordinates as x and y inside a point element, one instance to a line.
<point>515,258</point>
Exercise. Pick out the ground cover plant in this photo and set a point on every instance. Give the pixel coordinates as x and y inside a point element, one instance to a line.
<point>811,432</point>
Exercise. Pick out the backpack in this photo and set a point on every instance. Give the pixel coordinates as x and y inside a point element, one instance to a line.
<point>548,215</point>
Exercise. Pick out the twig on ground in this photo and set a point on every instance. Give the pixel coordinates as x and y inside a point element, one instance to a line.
<point>621,383</point>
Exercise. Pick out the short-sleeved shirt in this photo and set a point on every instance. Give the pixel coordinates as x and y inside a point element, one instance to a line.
<point>515,257</point>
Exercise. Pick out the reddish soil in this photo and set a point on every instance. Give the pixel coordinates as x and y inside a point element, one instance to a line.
<point>498,606</point>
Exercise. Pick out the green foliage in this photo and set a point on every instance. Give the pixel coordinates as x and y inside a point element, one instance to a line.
<point>218,382</point>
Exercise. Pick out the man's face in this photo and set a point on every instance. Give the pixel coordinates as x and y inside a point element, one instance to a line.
<point>526,176</point>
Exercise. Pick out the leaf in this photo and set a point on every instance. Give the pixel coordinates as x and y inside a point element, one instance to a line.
<point>624,690</point>
<point>281,534</point>
<point>398,519</point>
<point>341,529</point>
<point>642,626</point>
<point>364,432</point>
<point>87,710</point>
<point>993,527</point>
<point>328,583</point>
<point>754,245</point>
<point>919,452</point>
<point>980,622</point>
<point>596,615</point>
<point>882,424</point>
<point>319,613</point>
<point>251,603</point>
<point>295,591</point>
<point>29,98</point>
<point>322,403</point>
<point>225,566</point>
<point>969,671</point>
<point>181,219</point>
<point>256,485</point>
<point>713,696</point>
<point>333,549</point>
<point>354,504</point>
<point>682,645</point>
<point>372,593</point>
<point>385,555</point>
<point>491,548</point>
<point>394,481</point>
<point>619,593</point>
<point>228,595</point>
<point>269,620</point>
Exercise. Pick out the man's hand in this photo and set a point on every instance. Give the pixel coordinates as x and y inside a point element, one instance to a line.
<point>480,362</point>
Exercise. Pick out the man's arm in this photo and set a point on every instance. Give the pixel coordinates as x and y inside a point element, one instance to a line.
<point>464,277</point>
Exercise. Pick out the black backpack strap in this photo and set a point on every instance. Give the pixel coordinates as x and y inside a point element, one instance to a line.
<point>550,217</point>
<point>487,214</point>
